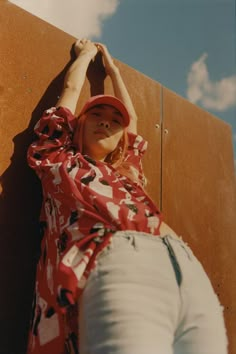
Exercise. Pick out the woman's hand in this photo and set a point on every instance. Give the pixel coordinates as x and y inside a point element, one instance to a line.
<point>85,51</point>
<point>109,65</point>
<point>85,46</point>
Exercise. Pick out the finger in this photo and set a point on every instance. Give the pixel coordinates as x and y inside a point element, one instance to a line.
<point>100,46</point>
<point>84,41</point>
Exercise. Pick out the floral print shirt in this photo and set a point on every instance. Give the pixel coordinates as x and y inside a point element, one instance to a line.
<point>84,203</point>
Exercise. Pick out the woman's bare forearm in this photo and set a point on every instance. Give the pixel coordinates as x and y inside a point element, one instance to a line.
<point>75,76</point>
<point>119,86</point>
<point>122,93</point>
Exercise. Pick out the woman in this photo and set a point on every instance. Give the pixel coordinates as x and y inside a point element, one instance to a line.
<point>112,277</point>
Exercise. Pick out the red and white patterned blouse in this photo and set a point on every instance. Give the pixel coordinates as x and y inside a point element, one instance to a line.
<point>84,203</point>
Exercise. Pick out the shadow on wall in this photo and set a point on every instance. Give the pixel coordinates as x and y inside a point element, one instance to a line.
<point>20,204</point>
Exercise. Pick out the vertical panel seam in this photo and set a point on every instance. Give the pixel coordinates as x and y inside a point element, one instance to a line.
<point>161,145</point>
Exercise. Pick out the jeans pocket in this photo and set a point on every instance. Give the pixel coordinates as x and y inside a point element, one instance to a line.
<point>117,244</point>
<point>185,247</point>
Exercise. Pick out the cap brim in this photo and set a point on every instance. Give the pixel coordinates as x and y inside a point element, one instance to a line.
<point>107,100</point>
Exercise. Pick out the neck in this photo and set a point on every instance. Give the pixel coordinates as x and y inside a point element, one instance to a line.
<point>95,156</point>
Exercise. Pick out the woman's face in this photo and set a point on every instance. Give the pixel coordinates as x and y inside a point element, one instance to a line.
<point>103,129</point>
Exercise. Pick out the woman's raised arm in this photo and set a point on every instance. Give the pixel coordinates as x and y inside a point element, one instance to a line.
<point>85,51</point>
<point>119,87</point>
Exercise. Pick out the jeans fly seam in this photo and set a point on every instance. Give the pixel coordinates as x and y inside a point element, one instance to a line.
<point>174,261</point>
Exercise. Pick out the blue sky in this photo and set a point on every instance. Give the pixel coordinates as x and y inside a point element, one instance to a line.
<point>163,38</point>
<point>186,45</point>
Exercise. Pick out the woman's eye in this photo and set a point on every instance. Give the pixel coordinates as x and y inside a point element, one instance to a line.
<point>116,121</point>
<point>96,114</point>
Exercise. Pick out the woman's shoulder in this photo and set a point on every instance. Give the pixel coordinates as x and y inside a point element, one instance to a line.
<point>137,141</point>
<point>60,117</point>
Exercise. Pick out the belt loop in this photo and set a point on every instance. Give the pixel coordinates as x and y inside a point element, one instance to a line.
<point>133,242</point>
<point>173,258</point>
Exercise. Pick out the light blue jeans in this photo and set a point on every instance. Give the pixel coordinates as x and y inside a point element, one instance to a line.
<point>150,295</point>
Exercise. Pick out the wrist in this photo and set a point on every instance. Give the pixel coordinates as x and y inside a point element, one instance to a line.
<point>114,71</point>
<point>86,55</point>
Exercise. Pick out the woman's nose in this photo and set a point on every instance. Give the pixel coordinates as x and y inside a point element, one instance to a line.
<point>104,123</point>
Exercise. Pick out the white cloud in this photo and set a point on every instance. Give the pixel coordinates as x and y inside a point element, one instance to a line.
<point>80,18</point>
<point>215,95</point>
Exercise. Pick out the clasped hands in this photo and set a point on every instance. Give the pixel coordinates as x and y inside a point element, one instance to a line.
<point>87,47</point>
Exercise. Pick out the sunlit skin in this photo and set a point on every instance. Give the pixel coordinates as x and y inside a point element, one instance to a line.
<point>103,129</point>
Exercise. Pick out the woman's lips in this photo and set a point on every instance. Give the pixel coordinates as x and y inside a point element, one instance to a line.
<point>101,132</point>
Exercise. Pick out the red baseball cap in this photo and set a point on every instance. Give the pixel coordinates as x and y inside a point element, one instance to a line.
<point>107,100</point>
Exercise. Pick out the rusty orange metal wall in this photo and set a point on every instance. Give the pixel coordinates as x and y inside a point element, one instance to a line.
<point>33,55</point>
<point>189,164</point>
<point>199,192</point>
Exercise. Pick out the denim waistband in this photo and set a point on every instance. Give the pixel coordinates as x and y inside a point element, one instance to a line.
<point>128,233</point>
<point>165,239</point>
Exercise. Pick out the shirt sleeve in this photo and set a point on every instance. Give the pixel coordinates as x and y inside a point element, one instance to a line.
<point>137,147</point>
<point>54,132</point>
